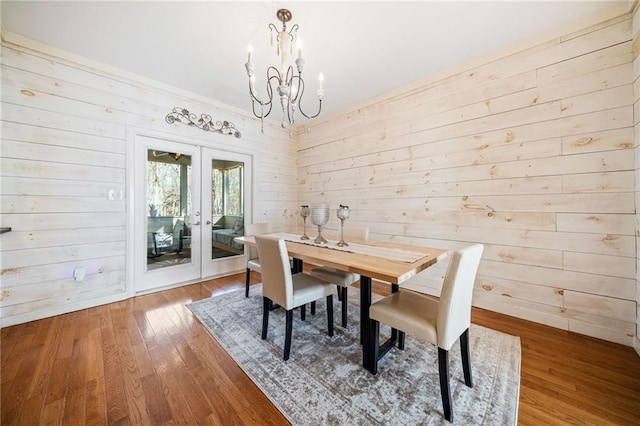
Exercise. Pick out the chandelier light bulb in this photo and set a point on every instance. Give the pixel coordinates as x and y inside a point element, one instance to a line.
<point>249,52</point>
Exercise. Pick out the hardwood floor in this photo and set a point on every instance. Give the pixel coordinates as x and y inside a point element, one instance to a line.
<point>147,360</point>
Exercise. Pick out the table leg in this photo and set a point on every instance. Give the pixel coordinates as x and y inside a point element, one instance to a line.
<point>365,302</point>
<point>394,333</point>
<point>365,329</point>
<point>297,266</point>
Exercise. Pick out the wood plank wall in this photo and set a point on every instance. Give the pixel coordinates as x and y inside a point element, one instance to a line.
<point>636,128</point>
<point>531,154</point>
<point>64,129</point>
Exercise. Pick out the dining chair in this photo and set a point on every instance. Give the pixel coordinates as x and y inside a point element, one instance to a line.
<point>288,290</point>
<point>253,261</point>
<point>439,322</point>
<point>343,279</point>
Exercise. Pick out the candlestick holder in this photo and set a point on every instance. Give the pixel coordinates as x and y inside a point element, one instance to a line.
<point>304,212</point>
<point>343,214</point>
<point>320,217</point>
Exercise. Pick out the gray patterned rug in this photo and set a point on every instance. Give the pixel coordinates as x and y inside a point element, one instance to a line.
<point>323,381</point>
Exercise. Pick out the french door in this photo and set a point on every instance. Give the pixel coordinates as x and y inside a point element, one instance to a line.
<point>189,205</point>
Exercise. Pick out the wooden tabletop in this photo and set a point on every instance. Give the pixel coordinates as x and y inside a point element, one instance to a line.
<point>380,268</point>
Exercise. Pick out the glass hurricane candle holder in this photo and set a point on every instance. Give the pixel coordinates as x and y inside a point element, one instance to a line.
<point>343,214</point>
<point>304,212</point>
<point>320,217</point>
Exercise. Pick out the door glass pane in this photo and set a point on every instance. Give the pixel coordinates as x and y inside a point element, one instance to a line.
<point>169,214</point>
<point>227,207</point>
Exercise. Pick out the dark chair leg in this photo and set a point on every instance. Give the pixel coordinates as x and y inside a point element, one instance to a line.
<point>266,307</point>
<point>466,363</point>
<point>339,292</point>
<point>374,345</point>
<point>313,307</point>
<point>287,335</point>
<point>401,338</point>
<point>247,280</point>
<point>445,392</point>
<point>330,314</point>
<point>303,312</point>
<point>343,291</point>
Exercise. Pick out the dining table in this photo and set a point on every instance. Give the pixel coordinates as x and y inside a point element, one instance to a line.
<point>388,262</point>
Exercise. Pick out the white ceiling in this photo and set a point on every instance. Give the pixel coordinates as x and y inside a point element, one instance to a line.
<point>363,48</point>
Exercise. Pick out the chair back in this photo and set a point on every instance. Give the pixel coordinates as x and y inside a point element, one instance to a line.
<point>454,308</point>
<point>277,283</point>
<point>360,232</point>
<point>256,229</point>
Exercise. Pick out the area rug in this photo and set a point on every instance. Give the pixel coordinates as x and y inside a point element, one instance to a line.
<point>323,382</point>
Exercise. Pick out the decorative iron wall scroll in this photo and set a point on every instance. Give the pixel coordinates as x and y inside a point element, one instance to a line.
<point>205,122</point>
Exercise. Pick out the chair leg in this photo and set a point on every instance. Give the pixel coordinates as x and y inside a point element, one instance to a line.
<point>266,307</point>
<point>339,292</point>
<point>401,339</point>
<point>343,292</point>
<point>287,335</point>
<point>466,363</point>
<point>445,391</point>
<point>313,307</point>
<point>330,314</point>
<point>247,280</point>
<point>303,312</point>
<point>374,345</point>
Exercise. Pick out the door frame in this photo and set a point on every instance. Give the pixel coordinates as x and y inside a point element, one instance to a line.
<point>212,141</point>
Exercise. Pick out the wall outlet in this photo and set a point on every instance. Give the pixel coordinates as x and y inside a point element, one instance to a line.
<point>79,273</point>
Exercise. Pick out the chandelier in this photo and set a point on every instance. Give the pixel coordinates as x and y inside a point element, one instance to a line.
<point>289,85</point>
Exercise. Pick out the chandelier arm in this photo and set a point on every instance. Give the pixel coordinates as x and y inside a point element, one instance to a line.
<point>277,74</point>
<point>254,101</point>
<point>253,96</point>
<point>316,114</point>
<point>300,103</point>
<point>261,115</point>
<point>300,82</point>
<point>290,75</point>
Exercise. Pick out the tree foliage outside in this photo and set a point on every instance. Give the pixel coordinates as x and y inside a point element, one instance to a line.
<point>163,188</point>
<point>226,190</point>
<point>165,182</point>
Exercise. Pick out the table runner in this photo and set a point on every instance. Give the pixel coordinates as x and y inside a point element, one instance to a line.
<point>366,249</point>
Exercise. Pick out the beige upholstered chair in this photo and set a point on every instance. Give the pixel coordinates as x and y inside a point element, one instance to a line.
<point>253,262</point>
<point>343,279</point>
<point>287,290</point>
<point>438,322</point>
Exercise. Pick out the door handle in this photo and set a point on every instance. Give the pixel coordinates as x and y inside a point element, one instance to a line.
<point>197,223</point>
<point>208,222</point>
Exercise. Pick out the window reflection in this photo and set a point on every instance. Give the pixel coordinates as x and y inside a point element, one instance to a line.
<point>169,200</point>
<point>227,207</point>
